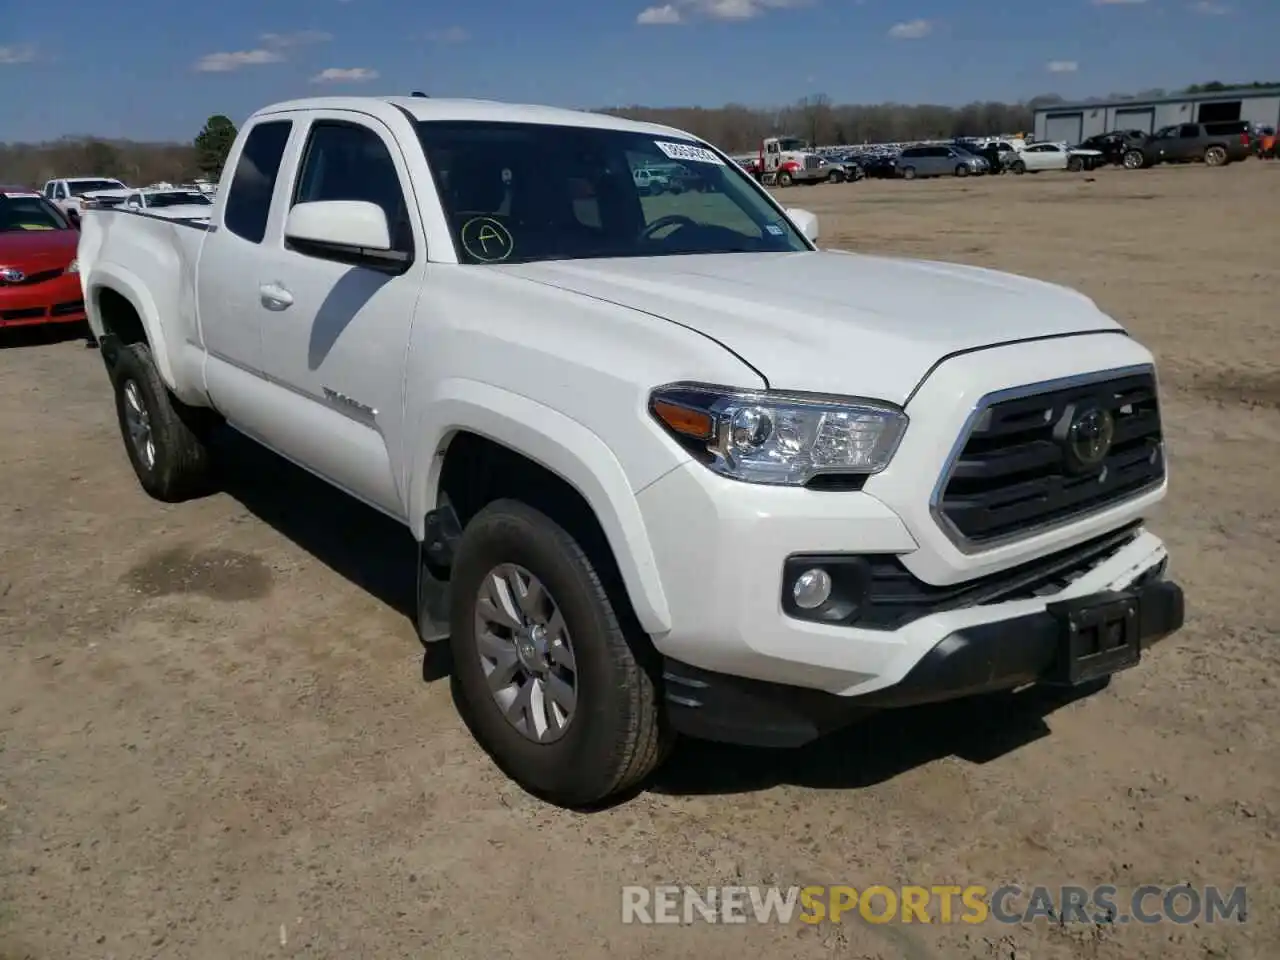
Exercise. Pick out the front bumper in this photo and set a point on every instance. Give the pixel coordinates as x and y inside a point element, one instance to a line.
<point>982,658</point>
<point>59,300</point>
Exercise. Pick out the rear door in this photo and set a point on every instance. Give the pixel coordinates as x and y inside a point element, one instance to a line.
<point>226,292</point>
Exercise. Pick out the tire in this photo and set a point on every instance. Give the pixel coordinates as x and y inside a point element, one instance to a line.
<point>962,170</point>
<point>835,177</point>
<point>908,173</point>
<point>163,436</point>
<point>1216,156</point>
<point>784,178</point>
<point>1075,164</point>
<point>1018,167</point>
<point>615,734</point>
<point>1134,160</point>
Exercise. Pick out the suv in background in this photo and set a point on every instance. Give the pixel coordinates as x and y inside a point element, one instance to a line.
<point>1114,145</point>
<point>939,161</point>
<point>1217,144</point>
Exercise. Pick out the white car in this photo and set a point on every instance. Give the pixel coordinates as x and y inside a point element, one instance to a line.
<point>1054,156</point>
<point>170,202</point>
<point>671,467</point>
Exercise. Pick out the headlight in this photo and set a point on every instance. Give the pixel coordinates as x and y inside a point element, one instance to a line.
<point>779,438</point>
<point>74,267</point>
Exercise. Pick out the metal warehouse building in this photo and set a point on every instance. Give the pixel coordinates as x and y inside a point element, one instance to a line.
<point>1073,122</point>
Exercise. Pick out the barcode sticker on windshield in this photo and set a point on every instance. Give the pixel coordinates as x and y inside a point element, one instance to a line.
<point>21,196</point>
<point>683,151</point>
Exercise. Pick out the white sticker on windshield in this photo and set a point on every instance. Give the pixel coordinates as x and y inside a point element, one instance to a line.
<point>774,229</point>
<point>21,196</point>
<point>682,151</point>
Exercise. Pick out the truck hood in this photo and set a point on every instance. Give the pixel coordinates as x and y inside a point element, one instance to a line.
<point>829,321</point>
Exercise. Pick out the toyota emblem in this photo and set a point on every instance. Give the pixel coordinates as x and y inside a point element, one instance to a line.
<point>12,275</point>
<point>1089,438</point>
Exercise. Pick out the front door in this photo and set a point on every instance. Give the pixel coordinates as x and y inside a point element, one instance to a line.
<point>334,335</point>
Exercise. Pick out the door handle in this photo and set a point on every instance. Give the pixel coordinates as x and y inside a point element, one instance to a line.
<point>275,297</point>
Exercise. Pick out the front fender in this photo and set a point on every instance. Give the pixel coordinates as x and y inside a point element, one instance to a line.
<point>561,445</point>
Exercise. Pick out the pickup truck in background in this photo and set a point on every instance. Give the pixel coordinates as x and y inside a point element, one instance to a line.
<point>672,468</point>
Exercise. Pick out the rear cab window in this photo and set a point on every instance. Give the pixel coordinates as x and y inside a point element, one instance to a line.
<point>248,204</point>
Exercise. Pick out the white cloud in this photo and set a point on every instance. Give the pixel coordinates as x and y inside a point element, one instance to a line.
<point>911,30</point>
<point>300,38</point>
<point>1115,3</point>
<point>345,75</point>
<point>1210,8</point>
<point>1062,66</point>
<point>668,13</point>
<point>226,62</point>
<point>449,35</point>
<point>19,53</point>
<point>680,11</point>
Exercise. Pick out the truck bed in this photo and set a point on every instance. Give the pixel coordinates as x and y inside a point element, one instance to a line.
<point>152,260</point>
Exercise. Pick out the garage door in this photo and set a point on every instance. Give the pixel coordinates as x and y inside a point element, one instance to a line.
<point>1144,120</point>
<point>1063,127</point>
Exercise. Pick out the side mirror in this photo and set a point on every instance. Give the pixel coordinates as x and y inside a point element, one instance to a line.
<point>805,222</point>
<point>339,223</point>
<point>355,232</point>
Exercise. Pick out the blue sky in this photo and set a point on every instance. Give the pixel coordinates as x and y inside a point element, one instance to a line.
<point>155,69</point>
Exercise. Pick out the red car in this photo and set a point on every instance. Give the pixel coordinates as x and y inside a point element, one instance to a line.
<point>39,276</point>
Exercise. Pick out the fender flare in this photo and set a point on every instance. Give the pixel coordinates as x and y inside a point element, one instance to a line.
<point>560,444</point>
<point>109,276</point>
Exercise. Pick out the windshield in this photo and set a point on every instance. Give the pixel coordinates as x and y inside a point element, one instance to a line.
<point>29,212</point>
<point>79,188</point>
<point>517,193</point>
<point>177,198</point>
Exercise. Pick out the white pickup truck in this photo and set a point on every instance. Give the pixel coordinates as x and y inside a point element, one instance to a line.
<point>673,469</point>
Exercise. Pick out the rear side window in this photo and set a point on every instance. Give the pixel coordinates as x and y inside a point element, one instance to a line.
<point>249,197</point>
<point>1230,128</point>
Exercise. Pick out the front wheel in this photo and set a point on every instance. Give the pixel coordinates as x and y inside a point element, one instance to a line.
<point>1019,167</point>
<point>962,170</point>
<point>1134,160</point>
<point>163,436</point>
<point>784,178</point>
<point>550,685</point>
<point>908,173</point>
<point>1075,164</point>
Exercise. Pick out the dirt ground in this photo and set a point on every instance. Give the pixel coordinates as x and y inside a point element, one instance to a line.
<point>216,740</point>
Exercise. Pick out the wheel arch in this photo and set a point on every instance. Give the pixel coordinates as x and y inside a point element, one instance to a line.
<point>468,415</point>
<point>119,304</point>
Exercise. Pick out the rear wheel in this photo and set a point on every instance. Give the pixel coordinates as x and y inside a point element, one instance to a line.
<point>1019,167</point>
<point>1075,164</point>
<point>961,170</point>
<point>1134,160</point>
<point>1216,156</point>
<point>163,436</point>
<point>551,686</point>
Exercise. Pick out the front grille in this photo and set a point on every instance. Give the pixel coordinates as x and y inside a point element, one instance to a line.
<point>895,597</point>
<point>812,163</point>
<point>1015,472</point>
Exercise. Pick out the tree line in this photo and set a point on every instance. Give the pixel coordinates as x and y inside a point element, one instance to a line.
<point>734,128</point>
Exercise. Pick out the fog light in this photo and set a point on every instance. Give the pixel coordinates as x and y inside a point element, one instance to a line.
<point>812,589</point>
